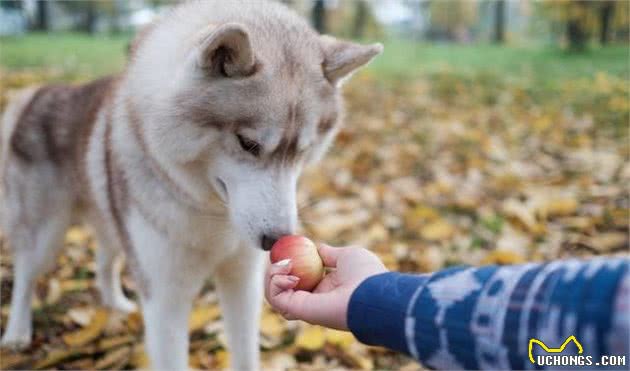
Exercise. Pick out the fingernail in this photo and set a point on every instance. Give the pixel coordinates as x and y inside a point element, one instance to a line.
<point>282,263</point>
<point>293,278</point>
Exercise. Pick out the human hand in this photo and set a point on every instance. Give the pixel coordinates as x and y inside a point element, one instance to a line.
<point>327,305</point>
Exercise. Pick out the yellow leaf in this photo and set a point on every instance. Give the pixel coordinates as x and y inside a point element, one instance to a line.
<point>503,257</point>
<point>362,362</point>
<point>341,339</point>
<point>90,332</point>
<point>222,360</point>
<point>113,342</point>
<point>437,231</point>
<point>523,215</point>
<point>139,359</point>
<point>272,325</point>
<point>559,207</point>
<point>605,242</point>
<point>74,285</point>
<point>54,291</point>
<point>114,359</point>
<point>134,321</point>
<point>430,259</point>
<point>10,360</point>
<point>311,338</point>
<point>58,355</point>
<point>202,315</point>
<point>76,236</point>
<point>415,218</point>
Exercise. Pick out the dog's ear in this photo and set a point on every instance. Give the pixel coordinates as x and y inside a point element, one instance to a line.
<point>341,58</point>
<point>226,50</point>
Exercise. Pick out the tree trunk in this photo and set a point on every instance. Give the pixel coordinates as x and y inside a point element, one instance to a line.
<point>576,34</point>
<point>605,16</point>
<point>319,16</point>
<point>499,21</point>
<point>115,17</point>
<point>89,21</point>
<point>42,16</point>
<point>360,19</point>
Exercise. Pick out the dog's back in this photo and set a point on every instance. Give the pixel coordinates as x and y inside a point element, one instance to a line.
<point>50,125</point>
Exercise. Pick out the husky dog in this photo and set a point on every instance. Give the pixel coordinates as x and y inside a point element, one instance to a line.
<point>187,163</point>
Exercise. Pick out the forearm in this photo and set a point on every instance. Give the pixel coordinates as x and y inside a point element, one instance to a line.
<point>485,317</point>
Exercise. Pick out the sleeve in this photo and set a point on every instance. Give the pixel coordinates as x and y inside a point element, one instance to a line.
<point>486,318</point>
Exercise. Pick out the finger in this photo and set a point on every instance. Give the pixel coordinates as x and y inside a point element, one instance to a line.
<point>280,267</point>
<point>280,283</point>
<point>329,254</point>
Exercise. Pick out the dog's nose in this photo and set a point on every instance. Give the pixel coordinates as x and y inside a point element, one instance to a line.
<point>267,241</point>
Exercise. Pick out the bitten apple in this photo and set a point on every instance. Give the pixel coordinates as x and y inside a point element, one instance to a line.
<point>305,260</point>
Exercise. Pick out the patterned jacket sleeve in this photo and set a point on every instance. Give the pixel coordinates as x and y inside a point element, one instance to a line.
<point>484,318</point>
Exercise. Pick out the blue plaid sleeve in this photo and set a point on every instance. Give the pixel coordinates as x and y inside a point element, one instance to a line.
<point>486,318</point>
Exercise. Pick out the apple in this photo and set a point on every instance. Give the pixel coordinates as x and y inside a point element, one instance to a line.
<point>305,260</point>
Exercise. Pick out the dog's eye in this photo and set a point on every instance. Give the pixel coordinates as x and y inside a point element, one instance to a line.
<point>248,145</point>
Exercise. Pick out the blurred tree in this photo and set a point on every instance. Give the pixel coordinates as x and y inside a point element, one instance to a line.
<point>583,20</point>
<point>453,19</point>
<point>606,14</point>
<point>360,19</point>
<point>499,21</point>
<point>319,16</point>
<point>42,16</point>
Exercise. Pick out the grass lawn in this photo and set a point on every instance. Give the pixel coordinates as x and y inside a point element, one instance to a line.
<point>71,53</point>
<point>86,55</point>
<point>402,58</point>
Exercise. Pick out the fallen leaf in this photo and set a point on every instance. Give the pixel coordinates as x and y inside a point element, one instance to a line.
<point>114,359</point>
<point>81,316</point>
<point>139,359</point>
<point>503,257</point>
<point>54,292</point>
<point>558,207</point>
<point>430,259</point>
<point>114,342</point>
<point>338,338</point>
<point>77,236</point>
<point>437,231</point>
<point>74,285</point>
<point>311,338</point>
<point>272,324</point>
<point>606,242</point>
<point>221,360</point>
<point>58,355</point>
<point>90,332</point>
<point>200,316</point>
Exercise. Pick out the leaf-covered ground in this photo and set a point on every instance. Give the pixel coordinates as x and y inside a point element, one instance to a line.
<point>437,170</point>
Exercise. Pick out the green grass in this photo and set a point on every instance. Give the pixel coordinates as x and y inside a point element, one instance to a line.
<point>72,53</point>
<point>404,58</point>
<point>82,54</point>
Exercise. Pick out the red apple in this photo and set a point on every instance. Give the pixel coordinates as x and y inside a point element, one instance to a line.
<point>305,261</point>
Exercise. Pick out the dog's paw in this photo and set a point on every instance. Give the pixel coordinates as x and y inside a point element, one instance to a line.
<point>15,341</point>
<point>123,305</point>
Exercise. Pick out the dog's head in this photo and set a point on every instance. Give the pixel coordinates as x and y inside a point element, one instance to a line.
<point>248,108</point>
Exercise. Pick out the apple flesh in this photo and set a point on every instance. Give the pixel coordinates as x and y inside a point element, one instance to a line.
<point>305,260</point>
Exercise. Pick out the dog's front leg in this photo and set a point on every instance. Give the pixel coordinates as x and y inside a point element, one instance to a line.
<point>170,278</point>
<point>239,282</point>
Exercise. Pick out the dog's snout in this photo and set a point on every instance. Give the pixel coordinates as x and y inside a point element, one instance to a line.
<point>267,241</point>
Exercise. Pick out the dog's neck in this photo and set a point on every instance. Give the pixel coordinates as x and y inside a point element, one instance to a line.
<point>172,183</point>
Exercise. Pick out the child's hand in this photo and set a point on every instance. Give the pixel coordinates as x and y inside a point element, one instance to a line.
<point>327,305</point>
